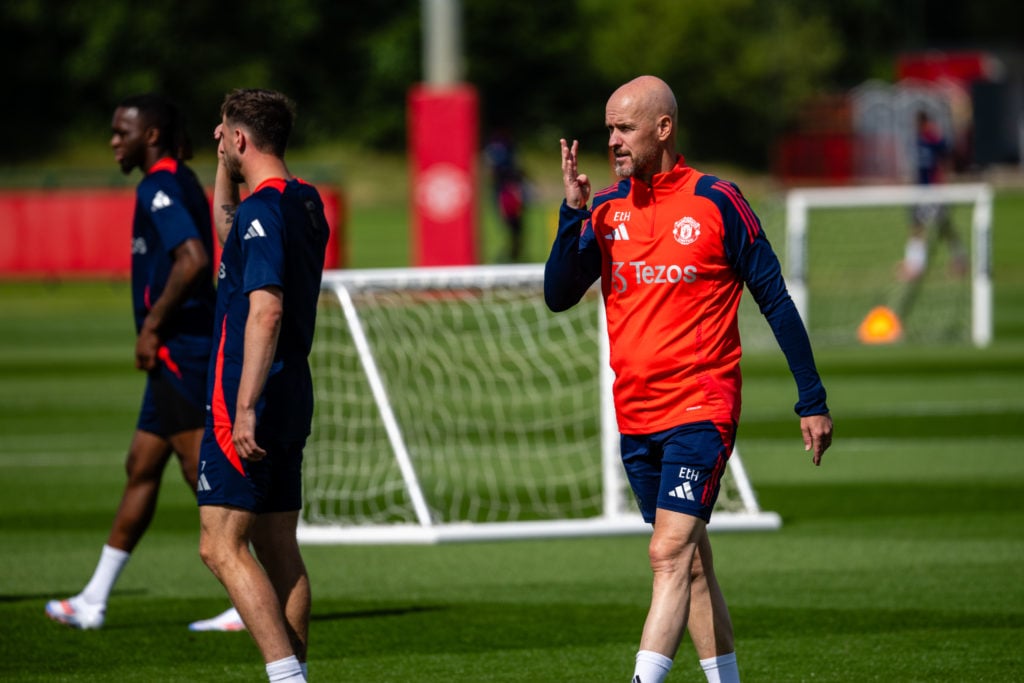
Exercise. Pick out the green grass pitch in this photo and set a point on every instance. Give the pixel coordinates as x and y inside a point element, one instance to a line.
<point>899,559</point>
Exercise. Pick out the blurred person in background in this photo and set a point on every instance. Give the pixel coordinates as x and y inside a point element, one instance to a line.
<point>509,186</point>
<point>928,223</point>
<point>932,159</point>
<point>173,298</point>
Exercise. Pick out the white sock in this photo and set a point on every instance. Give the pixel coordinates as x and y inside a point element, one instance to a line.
<point>915,256</point>
<point>112,561</point>
<point>287,670</point>
<point>721,669</point>
<point>651,667</point>
<point>305,669</point>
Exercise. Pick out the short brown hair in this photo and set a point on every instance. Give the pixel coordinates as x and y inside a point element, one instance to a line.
<point>269,116</point>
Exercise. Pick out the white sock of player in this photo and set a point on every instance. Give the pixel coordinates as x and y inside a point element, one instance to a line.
<point>721,669</point>
<point>651,667</point>
<point>287,670</point>
<point>305,669</point>
<point>112,561</point>
<point>915,257</point>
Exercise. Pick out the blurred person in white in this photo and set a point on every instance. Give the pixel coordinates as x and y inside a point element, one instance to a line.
<point>932,157</point>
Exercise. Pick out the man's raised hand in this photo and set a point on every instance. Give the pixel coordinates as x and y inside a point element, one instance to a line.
<point>577,187</point>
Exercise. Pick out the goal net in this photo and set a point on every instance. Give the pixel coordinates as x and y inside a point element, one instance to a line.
<point>844,263</point>
<point>452,405</point>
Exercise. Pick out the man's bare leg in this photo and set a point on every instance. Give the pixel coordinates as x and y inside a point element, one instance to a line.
<point>144,467</point>
<point>186,445</point>
<point>224,546</point>
<point>685,595</point>
<point>277,548</point>
<point>671,551</point>
<point>707,606</point>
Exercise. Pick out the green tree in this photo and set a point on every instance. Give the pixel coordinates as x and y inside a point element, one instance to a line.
<point>740,68</point>
<point>529,69</point>
<point>77,58</point>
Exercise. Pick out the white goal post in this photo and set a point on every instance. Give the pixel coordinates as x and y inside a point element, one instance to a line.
<point>801,201</point>
<point>451,405</point>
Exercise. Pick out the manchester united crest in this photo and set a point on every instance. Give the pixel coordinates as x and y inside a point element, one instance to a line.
<point>686,230</point>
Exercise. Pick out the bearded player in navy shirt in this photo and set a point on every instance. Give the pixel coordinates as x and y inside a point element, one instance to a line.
<point>173,298</point>
<point>260,399</point>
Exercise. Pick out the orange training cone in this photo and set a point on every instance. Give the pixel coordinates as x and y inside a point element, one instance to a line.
<point>880,326</point>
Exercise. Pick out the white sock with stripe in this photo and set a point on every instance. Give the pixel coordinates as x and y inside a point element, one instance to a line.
<point>651,667</point>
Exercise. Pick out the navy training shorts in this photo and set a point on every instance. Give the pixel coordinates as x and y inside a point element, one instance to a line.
<point>273,484</point>
<point>679,469</point>
<point>174,401</point>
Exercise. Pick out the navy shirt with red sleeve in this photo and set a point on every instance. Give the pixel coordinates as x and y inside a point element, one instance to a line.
<point>170,208</point>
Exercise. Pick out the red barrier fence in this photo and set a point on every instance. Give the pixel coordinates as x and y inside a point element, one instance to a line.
<point>87,233</point>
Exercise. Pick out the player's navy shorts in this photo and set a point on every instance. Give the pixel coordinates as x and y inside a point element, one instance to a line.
<point>174,400</point>
<point>679,469</point>
<point>272,484</point>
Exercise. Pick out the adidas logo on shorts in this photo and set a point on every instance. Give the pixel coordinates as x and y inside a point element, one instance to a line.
<point>684,491</point>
